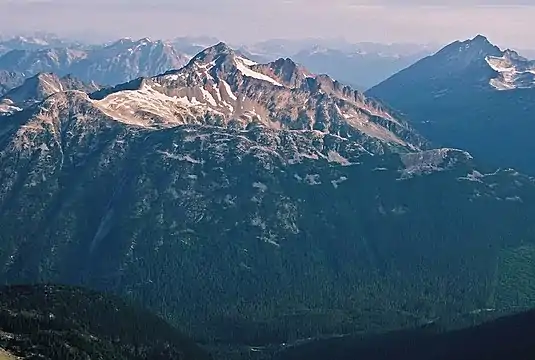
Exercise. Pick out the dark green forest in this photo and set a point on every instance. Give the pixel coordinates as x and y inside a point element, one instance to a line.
<point>66,323</point>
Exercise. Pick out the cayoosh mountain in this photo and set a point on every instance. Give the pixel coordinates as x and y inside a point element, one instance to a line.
<point>258,202</point>
<point>470,95</point>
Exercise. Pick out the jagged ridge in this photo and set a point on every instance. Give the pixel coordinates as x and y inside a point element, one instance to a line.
<point>219,87</point>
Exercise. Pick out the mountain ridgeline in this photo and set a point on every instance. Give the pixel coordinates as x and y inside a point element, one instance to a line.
<point>256,203</point>
<point>470,95</point>
<point>39,87</point>
<point>126,59</point>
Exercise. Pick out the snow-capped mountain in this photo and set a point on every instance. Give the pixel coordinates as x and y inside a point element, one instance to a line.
<point>242,191</point>
<point>110,64</point>
<point>220,87</point>
<point>472,95</point>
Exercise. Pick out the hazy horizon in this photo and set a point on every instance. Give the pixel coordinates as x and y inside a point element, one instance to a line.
<point>507,24</point>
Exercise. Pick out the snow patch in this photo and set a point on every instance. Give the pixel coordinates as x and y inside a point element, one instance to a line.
<point>338,181</point>
<point>246,61</point>
<point>242,67</point>
<point>229,90</point>
<point>312,179</point>
<point>172,77</point>
<point>333,156</point>
<point>514,71</point>
<point>181,157</point>
<point>208,97</point>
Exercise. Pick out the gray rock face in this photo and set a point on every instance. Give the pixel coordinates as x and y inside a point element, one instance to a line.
<point>254,214</point>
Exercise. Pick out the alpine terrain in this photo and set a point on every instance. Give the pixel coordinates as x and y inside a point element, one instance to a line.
<point>258,203</point>
<point>39,87</point>
<point>470,95</point>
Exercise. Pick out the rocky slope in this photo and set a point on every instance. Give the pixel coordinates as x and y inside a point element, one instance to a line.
<point>113,63</point>
<point>58,322</point>
<point>39,87</point>
<point>10,80</point>
<point>514,71</point>
<point>470,95</point>
<point>258,203</point>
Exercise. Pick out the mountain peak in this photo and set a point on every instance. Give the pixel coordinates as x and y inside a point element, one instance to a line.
<point>480,39</point>
<point>289,72</point>
<point>216,53</point>
<point>220,48</point>
<point>42,85</point>
<point>461,54</point>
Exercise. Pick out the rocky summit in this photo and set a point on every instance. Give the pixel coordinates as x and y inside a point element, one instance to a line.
<point>257,202</point>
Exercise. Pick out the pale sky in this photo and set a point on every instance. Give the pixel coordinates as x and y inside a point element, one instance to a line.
<point>508,23</point>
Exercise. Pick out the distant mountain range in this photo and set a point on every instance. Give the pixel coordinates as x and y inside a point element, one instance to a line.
<point>360,65</point>
<point>108,64</point>
<point>36,41</point>
<point>470,95</point>
<point>255,203</point>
